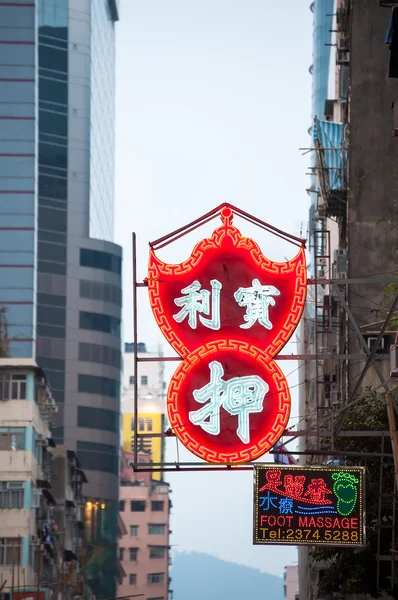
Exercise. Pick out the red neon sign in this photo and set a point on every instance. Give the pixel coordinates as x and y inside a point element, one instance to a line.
<point>228,311</point>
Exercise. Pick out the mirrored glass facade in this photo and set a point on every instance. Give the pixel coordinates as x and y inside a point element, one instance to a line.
<point>102,143</point>
<point>60,272</point>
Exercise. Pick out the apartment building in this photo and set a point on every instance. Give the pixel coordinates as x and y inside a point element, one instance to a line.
<point>151,401</point>
<point>40,519</point>
<point>354,235</point>
<point>144,551</point>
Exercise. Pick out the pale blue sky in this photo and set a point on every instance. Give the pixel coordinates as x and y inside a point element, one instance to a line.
<point>213,102</point>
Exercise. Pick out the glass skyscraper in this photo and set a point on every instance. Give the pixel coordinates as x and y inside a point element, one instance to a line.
<point>60,272</point>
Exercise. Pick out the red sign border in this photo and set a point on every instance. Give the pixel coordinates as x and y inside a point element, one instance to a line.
<point>179,428</point>
<point>157,268</point>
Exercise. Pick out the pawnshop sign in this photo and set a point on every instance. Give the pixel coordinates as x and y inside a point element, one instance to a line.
<point>227,311</point>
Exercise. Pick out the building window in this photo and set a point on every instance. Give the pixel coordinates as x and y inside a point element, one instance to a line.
<point>137,505</point>
<point>149,425</point>
<point>141,424</point>
<point>157,505</point>
<point>12,438</point>
<point>132,579</point>
<point>133,530</point>
<point>121,554</point>
<point>155,529</point>
<point>133,553</point>
<point>100,457</point>
<point>144,379</point>
<point>11,494</point>
<point>99,322</point>
<point>103,386</point>
<point>10,551</point>
<point>100,260</point>
<point>121,505</point>
<point>98,418</point>
<point>131,380</point>
<point>157,552</point>
<point>155,578</point>
<point>13,387</point>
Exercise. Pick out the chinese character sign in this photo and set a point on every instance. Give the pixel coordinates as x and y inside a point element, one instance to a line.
<point>309,505</point>
<point>227,310</point>
<point>227,289</point>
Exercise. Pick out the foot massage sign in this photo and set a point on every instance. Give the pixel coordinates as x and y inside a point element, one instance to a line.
<point>309,505</point>
<point>228,311</point>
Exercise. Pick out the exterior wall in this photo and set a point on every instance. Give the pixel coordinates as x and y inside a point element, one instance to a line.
<point>102,118</point>
<point>291,582</point>
<point>24,463</point>
<point>320,70</point>
<point>144,565</point>
<point>322,24</point>
<point>372,214</point>
<point>18,179</point>
<point>151,399</point>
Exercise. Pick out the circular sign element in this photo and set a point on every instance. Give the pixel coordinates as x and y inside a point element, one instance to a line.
<point>228,402</point>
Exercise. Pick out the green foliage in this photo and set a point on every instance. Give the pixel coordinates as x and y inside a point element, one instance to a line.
<point>354,571</point>
<point>390,292</point>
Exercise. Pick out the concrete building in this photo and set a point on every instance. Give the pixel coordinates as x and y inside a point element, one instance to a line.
<point>41,500</point>
<point>322,11</point>
<point>67,479</point>
<point>26,409</point>
<point>144,508</point>
<point>151,402</point>
<point>60,273</point>
<point>291,582</point>
<point>357,214</point>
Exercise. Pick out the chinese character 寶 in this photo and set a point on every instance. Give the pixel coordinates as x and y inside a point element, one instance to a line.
<point>257,300</point>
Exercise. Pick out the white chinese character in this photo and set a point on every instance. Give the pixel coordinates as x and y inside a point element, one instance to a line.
<point>257,300</point>
<point>239,396</point>
<point>197,301</point>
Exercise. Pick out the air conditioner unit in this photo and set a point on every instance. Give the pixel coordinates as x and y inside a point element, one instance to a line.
<point>322,262</point>
<point>15,485</point>
<point>343,44</point>
<point>340,260</point>
<point>35,499</point>
<point>394,361</point>
<point>371,341</point>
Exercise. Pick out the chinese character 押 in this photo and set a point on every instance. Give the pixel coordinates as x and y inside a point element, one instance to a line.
<point>196,300</point>
<point>239,396</point>
<point>257,300</point>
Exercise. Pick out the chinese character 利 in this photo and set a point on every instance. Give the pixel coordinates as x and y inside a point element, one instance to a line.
<point>195,300</point>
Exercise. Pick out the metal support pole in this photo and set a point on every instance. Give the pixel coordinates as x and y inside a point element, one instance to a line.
<point>135,342</point>
<point>370,353</point>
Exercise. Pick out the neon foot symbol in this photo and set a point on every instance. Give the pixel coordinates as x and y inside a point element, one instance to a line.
<point>346,491</point>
